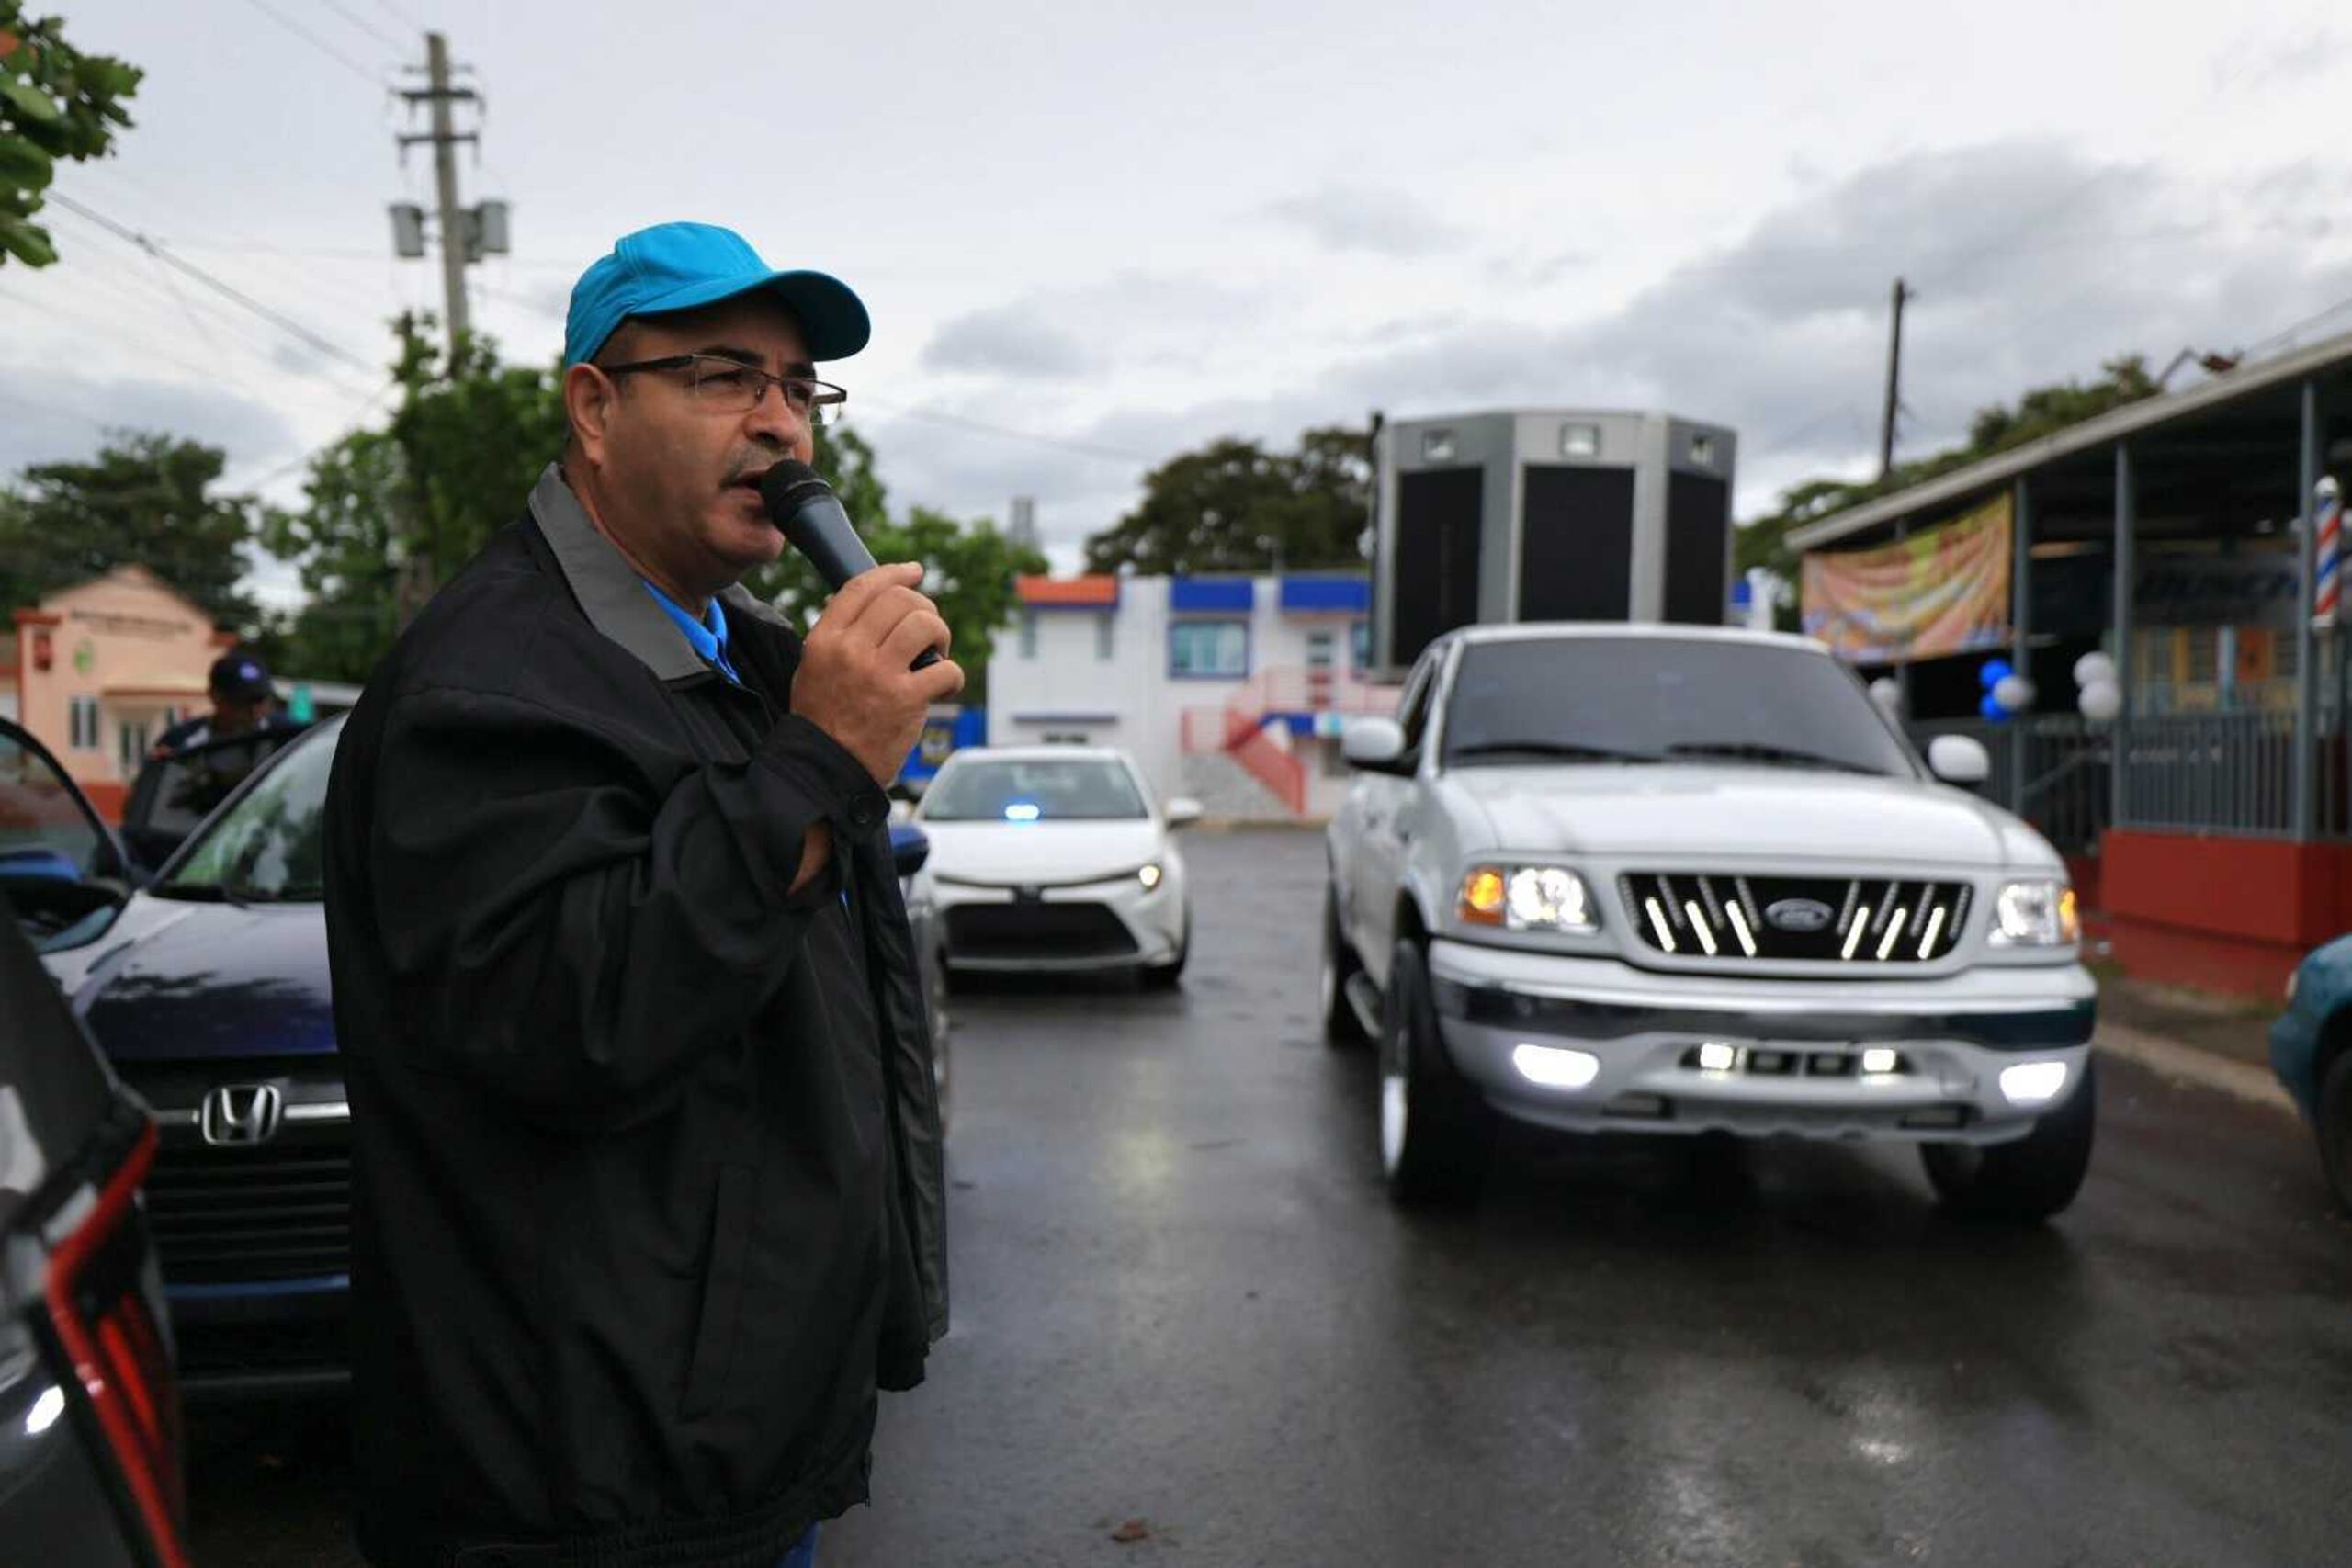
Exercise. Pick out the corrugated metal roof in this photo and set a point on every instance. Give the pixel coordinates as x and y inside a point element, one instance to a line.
<point>2130,420</point>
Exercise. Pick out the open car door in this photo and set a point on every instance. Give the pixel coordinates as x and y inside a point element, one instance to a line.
<point>64,871</point>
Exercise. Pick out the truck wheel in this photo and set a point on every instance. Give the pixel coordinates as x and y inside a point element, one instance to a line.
<point>2026,1181</point>
<point>1434,1137</point>
<point>2335,1128</point>
<point>1340,1025</point>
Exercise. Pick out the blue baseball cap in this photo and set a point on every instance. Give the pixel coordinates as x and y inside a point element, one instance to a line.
<point>680,266</point>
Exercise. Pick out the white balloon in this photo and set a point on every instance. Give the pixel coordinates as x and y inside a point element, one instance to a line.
<point>2014,693</point>
<point>2093,669</point>
<point>1888,692</point>
<point>2102,700</point>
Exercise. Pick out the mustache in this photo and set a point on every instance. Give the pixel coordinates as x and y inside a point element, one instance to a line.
<point>750,464</point>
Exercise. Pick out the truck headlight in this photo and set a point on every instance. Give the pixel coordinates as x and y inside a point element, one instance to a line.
<point>1526,898</point>
<point>2035,914</point>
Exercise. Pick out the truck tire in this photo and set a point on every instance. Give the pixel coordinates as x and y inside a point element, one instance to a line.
<point>2027,1181</point>
<point>1340,1025</point>
<point>2335,1128</point>
<point>1434,1135</point>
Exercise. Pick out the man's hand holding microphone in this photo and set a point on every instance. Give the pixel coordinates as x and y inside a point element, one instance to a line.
<point>877,660</point>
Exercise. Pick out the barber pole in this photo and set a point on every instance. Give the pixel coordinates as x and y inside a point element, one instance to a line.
<point>2327,575</point>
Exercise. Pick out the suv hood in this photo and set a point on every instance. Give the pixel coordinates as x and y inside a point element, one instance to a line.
<point>1040,852</point>
<point>1697,812</point>
<point>222,982</point>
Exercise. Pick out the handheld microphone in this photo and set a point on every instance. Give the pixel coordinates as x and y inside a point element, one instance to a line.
<point>805,507</point>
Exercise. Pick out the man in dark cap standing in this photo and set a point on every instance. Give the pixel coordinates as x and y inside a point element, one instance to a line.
<point>243,700</point>
<point>647,1184</point>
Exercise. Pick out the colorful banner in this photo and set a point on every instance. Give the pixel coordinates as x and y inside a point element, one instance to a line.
<point>1936,594</point>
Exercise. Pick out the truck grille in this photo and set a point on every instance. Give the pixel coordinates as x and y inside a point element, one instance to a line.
<point>1820,919</point>
<point>280,1210</point>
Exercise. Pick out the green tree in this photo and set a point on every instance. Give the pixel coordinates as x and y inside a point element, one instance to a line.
<point>143,501</point>
<point>1234,506</point>
<point>55,102</point>
<point>2042,410</point>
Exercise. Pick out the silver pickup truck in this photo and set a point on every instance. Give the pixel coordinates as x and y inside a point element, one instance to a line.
<point>1615,878</point>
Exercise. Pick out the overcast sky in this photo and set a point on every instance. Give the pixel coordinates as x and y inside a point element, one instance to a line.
<point>1091,235</point>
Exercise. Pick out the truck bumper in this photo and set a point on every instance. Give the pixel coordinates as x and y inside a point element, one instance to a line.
<point>1593,1044</point>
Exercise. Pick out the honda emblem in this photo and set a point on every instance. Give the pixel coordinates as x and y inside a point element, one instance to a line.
<point>242,1113</point>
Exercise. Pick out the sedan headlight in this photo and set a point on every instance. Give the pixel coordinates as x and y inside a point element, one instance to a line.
<point>1151,876</point>
<point>2035,914</point>
<point>1526,898</point>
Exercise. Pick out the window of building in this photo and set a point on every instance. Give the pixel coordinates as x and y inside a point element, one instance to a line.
<point>1321,648</point>
<point>131,745</point>
<point>1359,645</point>
<point>1209,651</point>
<point>1028,634</point>
<point>82,722</point>
<point>1106,637</point>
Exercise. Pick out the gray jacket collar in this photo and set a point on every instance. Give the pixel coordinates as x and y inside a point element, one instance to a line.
<point>613,595</point>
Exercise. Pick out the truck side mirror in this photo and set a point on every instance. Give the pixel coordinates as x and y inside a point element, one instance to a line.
<point>1960,759</point>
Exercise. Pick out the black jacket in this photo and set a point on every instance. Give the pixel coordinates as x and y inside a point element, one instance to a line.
<point>646,1185</point>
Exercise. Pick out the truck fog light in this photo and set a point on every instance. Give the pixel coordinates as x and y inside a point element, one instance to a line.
<point>1717,1057</point>
<point>2030,1083</point>
<point>1878,1059</point>
<point>1555,1068</point>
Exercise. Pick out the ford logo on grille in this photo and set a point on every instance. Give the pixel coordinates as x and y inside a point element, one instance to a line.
<point>1803,916</point>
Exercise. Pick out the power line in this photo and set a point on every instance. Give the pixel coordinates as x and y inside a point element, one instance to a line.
<point>135,285</point>
<point>283,323</point>
<point>365,73</point>
<point>364,25</point>
<point>405,17</point>
<point>2287,334</point>
<point>350,423</point>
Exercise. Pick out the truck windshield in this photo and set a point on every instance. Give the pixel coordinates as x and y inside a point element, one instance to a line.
<point>1614,701</point>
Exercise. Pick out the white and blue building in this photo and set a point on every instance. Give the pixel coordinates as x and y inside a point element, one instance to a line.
<point>1231,689</point>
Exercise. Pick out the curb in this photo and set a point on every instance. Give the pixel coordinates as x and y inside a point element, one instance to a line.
<point>2185,1064</point>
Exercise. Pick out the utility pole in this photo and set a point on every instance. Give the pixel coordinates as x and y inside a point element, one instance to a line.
<point>466,235</point>
<point>1893,383</point>
<point>445,177</point>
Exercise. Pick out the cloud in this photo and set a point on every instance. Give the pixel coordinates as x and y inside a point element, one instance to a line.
<point>2278,61</point>
<point>1378,222</point>
<point>1019,340</point>
<point>49,416</point>
<point>2032,265</point>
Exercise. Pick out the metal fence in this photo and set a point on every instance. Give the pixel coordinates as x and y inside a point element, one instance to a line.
<point>2225,772</point>
<point>2065,794</point>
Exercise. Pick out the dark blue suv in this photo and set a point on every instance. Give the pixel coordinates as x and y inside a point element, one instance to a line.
<point>206,989</point>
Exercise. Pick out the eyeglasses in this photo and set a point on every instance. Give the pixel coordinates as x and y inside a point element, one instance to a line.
<point>729,386</point>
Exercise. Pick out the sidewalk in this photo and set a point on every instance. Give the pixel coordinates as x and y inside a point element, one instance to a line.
<point>2215,1042</point>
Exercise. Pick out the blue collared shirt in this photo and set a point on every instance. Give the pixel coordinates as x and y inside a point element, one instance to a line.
<point>708,637</point>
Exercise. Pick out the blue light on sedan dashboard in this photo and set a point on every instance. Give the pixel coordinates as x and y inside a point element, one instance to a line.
<point>1023,811</point>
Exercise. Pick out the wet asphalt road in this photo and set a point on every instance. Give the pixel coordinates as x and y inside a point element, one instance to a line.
<point>1184,1307</point>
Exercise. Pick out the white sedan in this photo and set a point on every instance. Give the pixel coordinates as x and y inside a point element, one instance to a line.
<point>1055,857</point>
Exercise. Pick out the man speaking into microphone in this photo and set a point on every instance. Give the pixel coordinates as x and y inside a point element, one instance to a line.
<point>647,1190</point>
